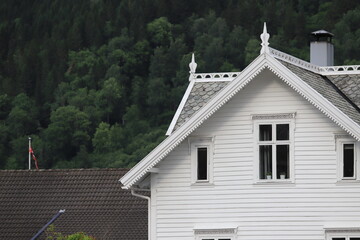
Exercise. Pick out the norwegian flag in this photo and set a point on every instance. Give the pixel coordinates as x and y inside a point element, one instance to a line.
<point>31,151</point>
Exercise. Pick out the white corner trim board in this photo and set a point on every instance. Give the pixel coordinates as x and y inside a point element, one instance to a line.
<point>250,72</point>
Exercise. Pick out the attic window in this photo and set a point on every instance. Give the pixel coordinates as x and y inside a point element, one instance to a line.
<point>201,160</point>
<point>348,160</point>
<point>202,163</point>
<point>346,148</point>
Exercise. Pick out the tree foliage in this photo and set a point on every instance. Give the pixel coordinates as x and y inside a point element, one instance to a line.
<point>96,83</point>
<point>51,234</point>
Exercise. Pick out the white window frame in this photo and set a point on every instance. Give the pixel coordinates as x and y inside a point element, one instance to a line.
<point>347,234</point>
<point>273,119</point>
<point>340,141</point>
<point>194,144</point>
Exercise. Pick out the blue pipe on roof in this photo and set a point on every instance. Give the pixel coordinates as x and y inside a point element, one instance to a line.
<point>46,225</point>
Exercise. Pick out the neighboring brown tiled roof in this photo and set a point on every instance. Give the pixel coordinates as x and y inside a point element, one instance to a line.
<point>349,85</point>
<point>93,199</point>
<point>200,94</point>
<point>323,85</point>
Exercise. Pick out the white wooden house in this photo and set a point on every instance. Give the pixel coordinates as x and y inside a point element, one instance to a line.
<point>267,153</point>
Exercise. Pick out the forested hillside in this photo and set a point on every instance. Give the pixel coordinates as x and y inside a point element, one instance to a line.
<point>95,82</point>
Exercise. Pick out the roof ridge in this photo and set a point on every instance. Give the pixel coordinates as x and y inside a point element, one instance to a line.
<point>294,60</point>
<point>323,70</point>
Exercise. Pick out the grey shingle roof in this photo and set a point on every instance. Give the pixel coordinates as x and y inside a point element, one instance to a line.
<point>341,90</point>
<point>200,94</point>
<point>349,85</point>
<point>93,200</point>
<point>325,87</point>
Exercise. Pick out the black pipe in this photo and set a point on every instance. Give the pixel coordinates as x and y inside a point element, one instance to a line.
<point>46,225</point>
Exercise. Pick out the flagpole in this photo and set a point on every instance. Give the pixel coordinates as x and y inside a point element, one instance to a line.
<point>29,153</point>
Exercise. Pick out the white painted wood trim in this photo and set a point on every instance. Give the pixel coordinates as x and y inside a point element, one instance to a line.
<point>166,146</point>
<point>294,60</point>
<point>213,77</point>
<point>153,207</point>
<point>180,108</point>
<point>215,231</point>
<point>315,99</point>
<point>262,119</point>
<point>325,71</point>
<point>340,70</point>
<point>250,72</point>
<point>195,143</point>
<point>214,80</point>
<point>340,140</point>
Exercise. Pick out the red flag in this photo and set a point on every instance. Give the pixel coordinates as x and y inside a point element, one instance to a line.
<point>33,157</point>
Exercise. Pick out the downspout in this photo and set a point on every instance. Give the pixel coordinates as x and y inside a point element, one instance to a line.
<point>149,207</point>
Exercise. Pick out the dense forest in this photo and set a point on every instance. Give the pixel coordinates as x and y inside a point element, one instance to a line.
<point>95,82</point>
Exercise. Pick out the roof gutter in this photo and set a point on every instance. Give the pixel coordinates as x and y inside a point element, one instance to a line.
<point>149,207</point>
<point>46,225</point>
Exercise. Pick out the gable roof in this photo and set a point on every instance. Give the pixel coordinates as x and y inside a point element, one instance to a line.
<point>93,200</point>
<point>334,111</point>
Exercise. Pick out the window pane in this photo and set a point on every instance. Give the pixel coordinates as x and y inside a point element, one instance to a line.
<point>338,238</point>
<point>202,164</point>
<point>282,161</point>
<point>265,167</point>
<point>355,238</point>
<point>348,160</point>
<point>282,131</point>
<point>265,133</point>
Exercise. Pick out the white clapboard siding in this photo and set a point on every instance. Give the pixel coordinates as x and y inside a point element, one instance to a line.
<point>291,211</point>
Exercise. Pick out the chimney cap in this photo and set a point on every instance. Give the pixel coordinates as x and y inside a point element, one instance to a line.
<point>322,33</point>
<point>322,36</point>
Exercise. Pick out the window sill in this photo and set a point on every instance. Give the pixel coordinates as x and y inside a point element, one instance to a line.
<point>347,181</point>
<point>202,184</point>
<point>275,182</point>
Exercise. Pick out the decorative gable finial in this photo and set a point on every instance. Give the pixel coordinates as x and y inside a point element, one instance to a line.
<point>264,41</point>
<point>192,65</point>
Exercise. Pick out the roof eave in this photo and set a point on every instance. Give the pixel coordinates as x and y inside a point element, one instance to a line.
<point>252,70</point>
<point>196,120</point>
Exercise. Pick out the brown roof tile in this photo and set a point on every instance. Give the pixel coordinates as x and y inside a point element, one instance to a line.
<point>93,200</point>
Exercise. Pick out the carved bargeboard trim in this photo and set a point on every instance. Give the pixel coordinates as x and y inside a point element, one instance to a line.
<point>273,116</point>
<point>215,231</point>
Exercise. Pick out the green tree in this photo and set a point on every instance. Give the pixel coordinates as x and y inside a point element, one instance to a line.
<point>22,118</point>
<point>160,31</point>
<point>51,234</point>
<point>68,130</point>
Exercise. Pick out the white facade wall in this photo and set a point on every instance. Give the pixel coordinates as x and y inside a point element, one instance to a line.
<point>298,210</point>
